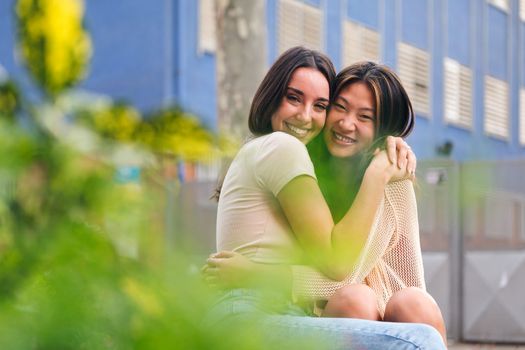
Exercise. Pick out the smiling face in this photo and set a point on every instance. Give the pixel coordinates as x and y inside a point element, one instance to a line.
<point>302,112</point>
<point>350,125</point>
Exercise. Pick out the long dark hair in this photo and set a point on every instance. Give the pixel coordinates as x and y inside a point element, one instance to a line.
<point>339,179</point>
<point>273,87</point>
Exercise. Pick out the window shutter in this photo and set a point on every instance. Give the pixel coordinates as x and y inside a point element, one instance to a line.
<point>207,28</point>
<point>501,4</point>
<point>360,43</point>
<point>299,24</point>
<point>496,107</point>
<point>413,69</point>
<point>522,116</point>
<point>458,93</point>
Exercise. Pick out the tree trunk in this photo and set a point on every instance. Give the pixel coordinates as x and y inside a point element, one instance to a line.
<point>241,61</point>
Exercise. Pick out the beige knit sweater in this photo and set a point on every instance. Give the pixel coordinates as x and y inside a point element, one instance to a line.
<point>391,259</point>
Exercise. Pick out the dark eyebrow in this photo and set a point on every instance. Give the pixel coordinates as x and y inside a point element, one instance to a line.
<point>299,92</point>
<point>361,109</point>
<point>342,98</point>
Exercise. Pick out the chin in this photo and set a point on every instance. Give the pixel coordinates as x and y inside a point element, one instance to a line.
<point>339,152</point>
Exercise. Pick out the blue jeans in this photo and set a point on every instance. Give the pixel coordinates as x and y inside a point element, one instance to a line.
<point>277,322</point>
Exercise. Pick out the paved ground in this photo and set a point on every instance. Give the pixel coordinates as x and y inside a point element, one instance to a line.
<point>469,346</point>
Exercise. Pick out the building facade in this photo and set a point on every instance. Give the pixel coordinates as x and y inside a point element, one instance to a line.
<point>463,64</point>
<point>462,61</point>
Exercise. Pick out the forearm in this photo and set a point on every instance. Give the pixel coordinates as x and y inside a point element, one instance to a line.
<point>334,249</point>
<point>311,284</point>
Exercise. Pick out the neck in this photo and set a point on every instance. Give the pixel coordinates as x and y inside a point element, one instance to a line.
<point>343,167</point>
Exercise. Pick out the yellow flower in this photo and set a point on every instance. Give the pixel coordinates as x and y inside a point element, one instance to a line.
<point>53,44</point>
<point>118,122</point>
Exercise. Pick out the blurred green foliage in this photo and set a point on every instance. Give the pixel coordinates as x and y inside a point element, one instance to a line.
<point>67,277</point>
<point>168,131</point>
<point>64,284</point>
<point>9,100</point>
<point>171,131</point>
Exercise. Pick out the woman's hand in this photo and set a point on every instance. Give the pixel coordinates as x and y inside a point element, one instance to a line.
<point>226,270</point>
<point>400,152</point>
<point>382,168</point>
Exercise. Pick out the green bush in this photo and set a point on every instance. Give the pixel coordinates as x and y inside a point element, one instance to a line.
<point>83,260</point>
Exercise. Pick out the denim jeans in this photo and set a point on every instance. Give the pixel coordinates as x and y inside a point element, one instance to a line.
<point>281,324</point>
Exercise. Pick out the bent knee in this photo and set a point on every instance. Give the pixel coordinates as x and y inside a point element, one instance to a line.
<point>356,295</point>
<point>355,301</point>
<point>409,304</point>
<point>416,306</point>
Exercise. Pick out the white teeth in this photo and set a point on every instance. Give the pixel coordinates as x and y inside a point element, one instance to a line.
<point>297,131</point>
<point>343,138</point>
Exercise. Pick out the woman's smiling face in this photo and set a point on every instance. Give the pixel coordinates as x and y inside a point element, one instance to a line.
<point>350,125</point>
<point>302,112</point>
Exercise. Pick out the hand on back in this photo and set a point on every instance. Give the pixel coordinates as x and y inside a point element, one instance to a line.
<point>227,270</point>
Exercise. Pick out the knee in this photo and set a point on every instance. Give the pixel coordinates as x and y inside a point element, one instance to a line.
<point>415,305</point>
<point>354,301</point>
<point>411,304</point>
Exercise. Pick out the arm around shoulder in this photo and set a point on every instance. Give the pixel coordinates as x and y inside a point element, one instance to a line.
<point>333,248</point>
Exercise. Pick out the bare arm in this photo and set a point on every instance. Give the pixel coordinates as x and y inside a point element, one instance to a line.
<point>334,248</point>
<point>391,259</point>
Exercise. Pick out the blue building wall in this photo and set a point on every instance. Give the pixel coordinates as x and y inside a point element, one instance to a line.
<point>146,52</point>
<point>333,34</point>
<point>459,30</point>
<point>364,12</point>
<point>8,55</point>
<point>194,79</point>
<point>128,61</point>
<point>476,34</point>
<point>129,51</point>
<point>415,23</point>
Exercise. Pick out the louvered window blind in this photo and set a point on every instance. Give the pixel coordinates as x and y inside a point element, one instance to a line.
<point>501,4</point>
<point>207,29</point>
<point>299,24</point>
<point>360,43</point>
<point>522,116</point>
<point>413,67</point>
<point>496,107</point>
<point>458,93</point>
